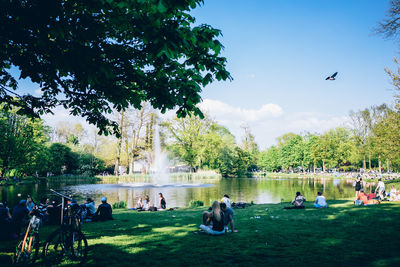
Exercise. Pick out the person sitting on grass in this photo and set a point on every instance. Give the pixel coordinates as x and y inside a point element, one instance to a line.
<point>393,194</point>
<point>371,195</point>
<point>228,215</point>
<point>139,204</point>
<point>104,211</point>
<point>43,204</point>
<point>5,223</point>
<point>29,203</point>
<point>320,201</point>
<point>226,200</point>
<point>213,222</point>
<point>91,209</point>
<point>162,204</point>
<point>380,189</point>
<point>146,203</point>
<point>19,216</point>
<point>298,202</point>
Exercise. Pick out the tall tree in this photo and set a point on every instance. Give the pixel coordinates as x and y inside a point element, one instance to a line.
<point>361,123</point>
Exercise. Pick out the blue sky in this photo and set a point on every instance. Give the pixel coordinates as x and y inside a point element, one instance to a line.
<point>279,54</point>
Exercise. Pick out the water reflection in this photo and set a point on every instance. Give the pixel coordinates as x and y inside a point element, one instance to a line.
<point>179,194</point>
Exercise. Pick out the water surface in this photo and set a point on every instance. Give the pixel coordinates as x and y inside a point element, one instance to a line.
<point>179,193</point>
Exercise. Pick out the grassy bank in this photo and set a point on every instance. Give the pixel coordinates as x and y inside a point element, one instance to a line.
<point>342,235</point>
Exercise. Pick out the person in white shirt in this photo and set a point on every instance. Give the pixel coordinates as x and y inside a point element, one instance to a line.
<point>320,201</point>
<point>380,189</point>
<point>226,200</point>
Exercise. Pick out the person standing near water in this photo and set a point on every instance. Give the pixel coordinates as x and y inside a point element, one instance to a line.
<point>358,186</point>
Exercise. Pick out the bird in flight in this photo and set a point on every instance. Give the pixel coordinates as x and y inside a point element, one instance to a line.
<point>332,77</point>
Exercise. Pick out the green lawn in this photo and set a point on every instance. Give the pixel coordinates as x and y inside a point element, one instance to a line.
<point>342,235</point>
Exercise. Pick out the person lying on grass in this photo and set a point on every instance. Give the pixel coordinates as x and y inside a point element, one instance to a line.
<point>372,195</point>
<point>320,201</point>
<point>213,222</point>
<point>298,202</point>
<point>362,198</point>
<point>228,214</point>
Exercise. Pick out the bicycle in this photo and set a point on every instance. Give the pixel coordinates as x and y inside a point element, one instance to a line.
<point>68,240</point>
<point>27,249</point>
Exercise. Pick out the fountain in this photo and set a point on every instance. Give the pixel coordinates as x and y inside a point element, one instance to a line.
<point>159,169</point>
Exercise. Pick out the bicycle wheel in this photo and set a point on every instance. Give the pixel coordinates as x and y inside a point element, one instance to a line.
<point>27,253</point>
<point>54,250</point>
<point>79,246</point>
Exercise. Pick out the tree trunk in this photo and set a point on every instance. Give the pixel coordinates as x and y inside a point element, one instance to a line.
<point>369,158</point>
<point>380,166</point>
<point>314,163</point>
<point>133,152</point>
<point>364,163</point>
<point>387,165</point>
<point>323,165</point>
<point>119,145</point>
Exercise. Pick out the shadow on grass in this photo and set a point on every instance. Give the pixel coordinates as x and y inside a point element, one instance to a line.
<point>342,235</point>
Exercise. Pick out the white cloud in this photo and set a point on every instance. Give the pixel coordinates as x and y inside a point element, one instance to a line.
<point>225,110</point>
<point>38,92</point>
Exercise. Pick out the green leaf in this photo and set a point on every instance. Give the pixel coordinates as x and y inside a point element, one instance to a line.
<point>161,7</point>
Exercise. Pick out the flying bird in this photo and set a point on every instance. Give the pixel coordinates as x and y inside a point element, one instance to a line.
<point>332,77</point>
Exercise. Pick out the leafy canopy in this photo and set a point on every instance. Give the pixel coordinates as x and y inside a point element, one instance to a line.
<point>94,56</point>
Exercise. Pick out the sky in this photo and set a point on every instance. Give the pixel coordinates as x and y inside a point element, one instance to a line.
<point>279,54</point>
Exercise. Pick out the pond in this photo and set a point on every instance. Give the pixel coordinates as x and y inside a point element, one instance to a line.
<point>179,193</point>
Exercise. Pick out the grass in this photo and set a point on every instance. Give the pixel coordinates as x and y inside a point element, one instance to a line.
<point>342,235</point>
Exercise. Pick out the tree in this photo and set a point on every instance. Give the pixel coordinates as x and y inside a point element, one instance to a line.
<point>390,27</point>
<point>94,56</point>
<point>251,147</point>
<point>62,159</point>
<point>361,122</point>
<point>386,137</point>
<point>270,159</point>
<point>187,134</point>
<point>22,142</point>
<point>291,152</point>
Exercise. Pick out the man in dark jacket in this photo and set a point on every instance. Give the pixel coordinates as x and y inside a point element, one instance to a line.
<point>104,211</point>
<point>19,216</point>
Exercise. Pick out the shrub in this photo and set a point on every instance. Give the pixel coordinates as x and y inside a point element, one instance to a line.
<point>119,205</point>
<point>196,203</point>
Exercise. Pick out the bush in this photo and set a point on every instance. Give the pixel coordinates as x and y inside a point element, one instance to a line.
<point>119,205</point>
<point>196,203</point>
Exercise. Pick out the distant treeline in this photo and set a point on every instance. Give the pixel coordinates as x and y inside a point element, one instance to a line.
<point>371,142</point>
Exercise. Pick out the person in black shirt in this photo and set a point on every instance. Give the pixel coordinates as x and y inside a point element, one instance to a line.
<point>104,211</point>
<point>19,216</point>
<point>5,222</point>
<point>162,204</point>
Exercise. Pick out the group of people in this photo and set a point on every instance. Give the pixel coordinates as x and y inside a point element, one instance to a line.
<point>216,221</point>
<point>145,203</point>
<point>375,196</point>
<point>12,220</point>
<point>299,199</point>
